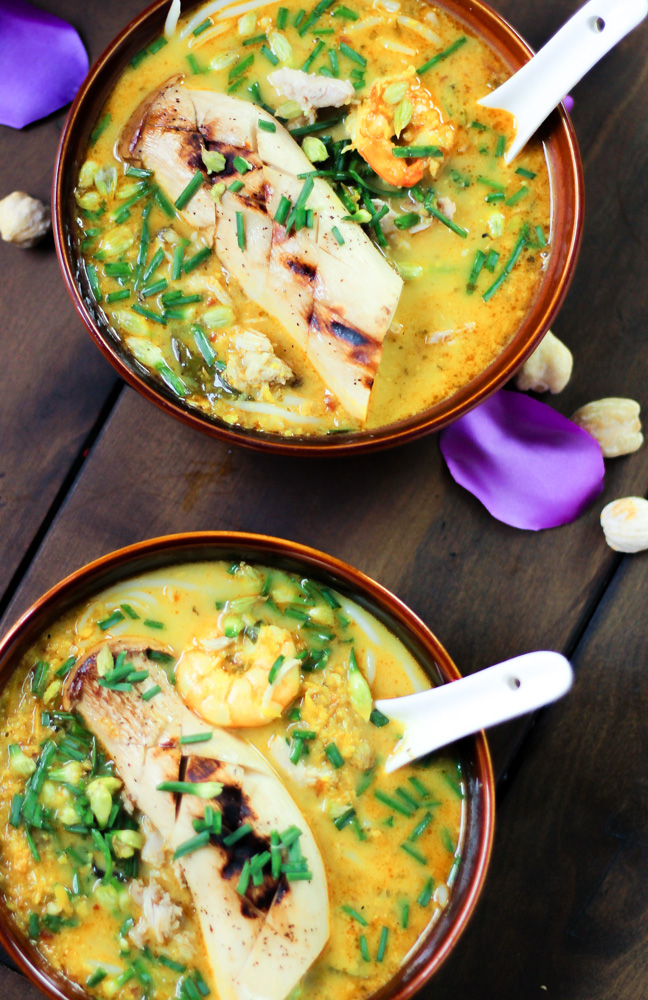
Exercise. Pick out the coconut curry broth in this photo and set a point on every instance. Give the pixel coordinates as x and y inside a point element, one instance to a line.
<point>390,843</point>
<point>465,290</point>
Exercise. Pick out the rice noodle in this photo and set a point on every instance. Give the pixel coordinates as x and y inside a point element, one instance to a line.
<point>397,47</point>
<point>171,22</point>
<point>414,25</point>
<point>272,410</point>
<point>222,9</point>
<point>361,619</point>
<point>206,36</point>
<point>370,665</point>
<point>370,22</point>
<point>391,5</point>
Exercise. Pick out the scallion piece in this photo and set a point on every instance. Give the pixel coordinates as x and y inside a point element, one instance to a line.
<point>478,263</point>
<point>151,692</point>
<point>240,230</point>
<point>118,270</point>
<point>338,235</point>
<point>387,800</point>
<point>34,926</point>
<point>433,210</point>
<point>195,738</point>
<point>407,798</point>
<point>177,260</point>
<point>364,948</point>
<point>440,56</point>
<point>425,895</point>
<point>479,126</point>
<point>149,314</point>
<point>151,623</point>
<point>296,751</point>
<point>349,910</point>
<point>350,53</point>
<point>197,259</point>
<point>416,151</point>
<point>346,13</point>
<point>413,853</point>
<point>137,676</point>
<point>93,281</point>
<point>407,221</point>
<point>523,172</point>
<point>269,55</point>
<point>491,260</point>
<point>344,819</point>
<point>16,806</point>
<point>240,68</point>
<point>185,197</point>
<point>299,17</point>
<point>315,15</point>
<point>508,267</point>
<point>540,236</point>
<point>202,27</point>
<point>100,128</point>
<point>274,670</point>
<point>203,345</point>
<point>103,848</point>
<point>164,203</point>
<point>96,977</point>
<point>404,915</point>
<point>421,826</point>
<point>308,62</point>
<point>112,619</point>
<point>158,44</point>
<point>194,65</point>
<point>378,719</point>
<point>302,130</point>
<point>235,186</point>
<point>170,964</point>
<point>39,678</point>
<point>518,196</point>
<point>282,18</point>
<point>267,126</point>
<point>495,196</point>
<point>300,876</point>
<point>241,164</point>
<point>500,145</point>
<point>191,845</point>
<point>382,944</point>
<point>334,755</point>
<point>123,293</point>
<point>155,288</point>
<point>233,838</point>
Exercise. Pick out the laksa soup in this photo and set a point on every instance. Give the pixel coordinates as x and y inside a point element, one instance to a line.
<point>300,220</point>
<point>194,797</point>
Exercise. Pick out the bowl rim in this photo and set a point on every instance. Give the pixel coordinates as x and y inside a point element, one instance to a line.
<point>131,559</point>
<point>567,168</point>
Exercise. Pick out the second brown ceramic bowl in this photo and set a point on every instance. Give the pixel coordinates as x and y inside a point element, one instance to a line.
<point>435,943</point>
<point>567,195</point>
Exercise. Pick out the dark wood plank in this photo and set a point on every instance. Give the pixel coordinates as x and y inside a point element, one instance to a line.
<point>566,903</point>
<point>14,986</point>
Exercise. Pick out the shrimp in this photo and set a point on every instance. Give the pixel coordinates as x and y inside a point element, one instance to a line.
<point>374,126</point>
<point>227,681</point>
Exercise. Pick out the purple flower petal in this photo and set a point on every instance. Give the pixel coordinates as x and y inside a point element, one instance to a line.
<point>43,63</point>
<point>530,467</point>
<point>569,103</point>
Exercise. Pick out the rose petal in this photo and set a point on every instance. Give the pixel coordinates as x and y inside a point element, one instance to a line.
<point>43,63</point>
<point>530,467</point>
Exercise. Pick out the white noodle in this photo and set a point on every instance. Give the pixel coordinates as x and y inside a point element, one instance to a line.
<point>414,25</point>
<point>397,47</point>
<point>370,22</point>
<point>362,620</point>
<point>206,36</point>
<point>370,665</point>
<point>222,9</point>
<point>390,5</point>
<point>171,22</point>
<point>275,411</point>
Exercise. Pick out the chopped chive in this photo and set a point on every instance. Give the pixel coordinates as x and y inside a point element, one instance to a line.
<point>123,293</point>
<point>159,656</point>
<point>152,266</point>
<point>387,800</point>
<point>240,230</point>
<point>306,65</point>
<point>421,826</point>
<point>240,68</point>
<point>132,171</point>
<point>197,259</point>
<point>334,755</point>
<point>282,18</point>
<point>196,738</point>
<point>425,895</point>
<point>378,719</point>
<point>241,164</point>
<point>299,876</point>
<point>149,314</point>
<point>112,619</point>
<point>407,798</point>
<point>407,221</point>
<point>495,196</point>
<point>151,623</point>
<point>202,27</point>
<point>508,267</point>
<point>299,17</point>
<point>404,915</point>
<point>137,676</point>
<point>413,853</point>
<point>34,925</point>
<point>364,781</point>
<point>93,281</point>
<point>185,197</point>
<point>433,210</point>
<point>191,845</point>
<point>479,126</point>
<point>302,130</point>
<point>151,693</point>
<point>164,203</point>
<point>539,231</point>
<point>333,59</point>
<point>354,913</point>
<point>155,288</point>
<point>16,806</point>
<point>419,787</point>
<point>103,848</point>
<point>118,270</point>
<point>274,670</point>
<point>233,838</point>
<point>39,677</point>
<point>203,345</point>
<point>304,734</point>
<point>414,151</point>
<point>364,948</point>
<point>177,260</point>
<point>296,751</point>
<point>170,964</point>
<point>269,55</point>
<point>382,944</point>
<point>235,86</point>
<point>350,53</point>
<point>440,56</point>
<point>235,186</point>
<point>344,819</point>
<point>489,183</point>
<point>315,15</point>
<point>447,841</point>
<point>518,196</point>
<point>194,65</point>
<point>346,13</point>
<point>96,977</point>
<point>523,172</point>
<point>176,299</point>
<point>500,145</point>
<point>480,260</point>
<point>338,235</point>
<point>266,126</point>
<point>294,714</point>
<point>99,128</point>
<point>491,260</point>
<point>158,44</point>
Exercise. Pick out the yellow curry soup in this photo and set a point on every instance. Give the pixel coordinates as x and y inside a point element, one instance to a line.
<point>281,750</point>
<point>372,300</point>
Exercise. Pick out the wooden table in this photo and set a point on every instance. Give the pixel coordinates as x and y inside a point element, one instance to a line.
<point>86,466</point>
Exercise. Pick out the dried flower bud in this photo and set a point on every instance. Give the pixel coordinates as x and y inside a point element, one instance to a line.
<point>625,524</point>
<point>614,423</point>
<point>23,220</point>
<point>548,369</point>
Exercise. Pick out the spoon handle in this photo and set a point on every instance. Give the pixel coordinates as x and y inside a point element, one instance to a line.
<point>435,718</point>
<point>536,89</point>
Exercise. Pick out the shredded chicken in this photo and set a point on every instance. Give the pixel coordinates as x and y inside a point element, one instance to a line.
<point>160,919</point>
<point>447,206</point>
<point>153,851</point>
<point>310,90</point>
<point>253,363</point>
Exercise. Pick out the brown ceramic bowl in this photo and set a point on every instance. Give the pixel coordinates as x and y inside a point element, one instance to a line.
<point>567,185</point>
<point>436,943</point>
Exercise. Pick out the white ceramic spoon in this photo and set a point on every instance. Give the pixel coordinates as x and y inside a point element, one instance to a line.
<point>437,717</point>
<point>532,93</point>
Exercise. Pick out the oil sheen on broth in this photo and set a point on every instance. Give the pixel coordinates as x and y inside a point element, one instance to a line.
<point>365,861</point>
<point>465,246</point>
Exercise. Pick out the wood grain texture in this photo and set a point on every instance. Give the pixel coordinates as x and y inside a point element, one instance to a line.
<point>14,986</point>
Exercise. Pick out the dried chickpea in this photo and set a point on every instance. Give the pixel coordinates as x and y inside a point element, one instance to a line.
<point>625,524</point>
<point>615,424</point>
<point>548,369</point>
<point>23,220</point>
